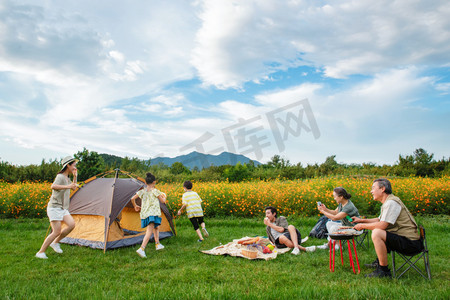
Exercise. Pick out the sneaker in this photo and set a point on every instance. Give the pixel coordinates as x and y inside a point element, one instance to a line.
<point>304,240</point>
<point>199,240</point>
<point>205,232</point>
<point>336,247</point>
<point>41,255</point>
<point>379,273</point>
<point>141,253</point>
<point>374,264</point>
<point>56,247</point>
<point>296,251</point>
<point>159,247</point>
<point>310,248</point>
<point>323,247</point>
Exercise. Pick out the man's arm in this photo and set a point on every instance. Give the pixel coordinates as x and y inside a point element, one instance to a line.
<point>272,225</point>
<point>359,220</point>
<point>372,225</point>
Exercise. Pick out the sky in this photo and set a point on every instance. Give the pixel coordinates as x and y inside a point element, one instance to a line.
<point>365,81</point>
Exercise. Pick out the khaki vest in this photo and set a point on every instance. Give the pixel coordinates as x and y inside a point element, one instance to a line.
<point>405,225</point>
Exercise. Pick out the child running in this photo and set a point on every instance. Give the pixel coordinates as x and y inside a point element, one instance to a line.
<point>150,212</point>
<point>193,204</point>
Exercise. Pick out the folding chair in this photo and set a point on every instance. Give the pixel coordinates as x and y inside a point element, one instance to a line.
<point>360,239</point>
<point>411,260</point>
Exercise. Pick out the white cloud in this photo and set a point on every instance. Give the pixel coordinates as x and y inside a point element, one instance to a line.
<point>247,40</point>
<point>115,78</point>
<point>443,87</point>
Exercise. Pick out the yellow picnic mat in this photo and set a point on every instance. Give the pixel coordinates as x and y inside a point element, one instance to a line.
<point>234,248</point>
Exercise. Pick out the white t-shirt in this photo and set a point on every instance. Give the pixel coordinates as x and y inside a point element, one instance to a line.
<point>275,234</point>
<point>390,211</point>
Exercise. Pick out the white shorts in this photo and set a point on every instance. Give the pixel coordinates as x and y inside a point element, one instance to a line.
<point>56,213</point>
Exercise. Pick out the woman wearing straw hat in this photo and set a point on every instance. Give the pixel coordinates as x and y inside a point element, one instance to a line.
<point>57,208</point>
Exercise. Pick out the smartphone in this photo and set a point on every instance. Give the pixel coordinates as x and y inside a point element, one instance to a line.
<point>319,203</point>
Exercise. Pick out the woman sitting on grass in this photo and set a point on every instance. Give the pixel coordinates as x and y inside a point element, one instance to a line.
<point>341,216</point>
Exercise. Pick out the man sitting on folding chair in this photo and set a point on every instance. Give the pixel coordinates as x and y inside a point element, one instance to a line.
<point>395,229</point>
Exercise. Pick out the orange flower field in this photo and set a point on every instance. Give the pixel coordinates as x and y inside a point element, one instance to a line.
<point>248,199</point>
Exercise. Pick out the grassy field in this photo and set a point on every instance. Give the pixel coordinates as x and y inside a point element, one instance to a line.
<point>180,271</point>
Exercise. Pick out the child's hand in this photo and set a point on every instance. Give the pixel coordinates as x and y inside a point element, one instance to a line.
<point>163,197</point>
<point>137,208</point>
<point>179,212</point>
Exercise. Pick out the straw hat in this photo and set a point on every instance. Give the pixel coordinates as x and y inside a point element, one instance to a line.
<point>67,160</point>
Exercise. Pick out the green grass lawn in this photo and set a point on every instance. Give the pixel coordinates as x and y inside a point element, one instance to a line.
<point>180,271</point>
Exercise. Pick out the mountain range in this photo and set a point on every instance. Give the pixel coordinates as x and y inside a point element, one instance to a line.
<point>200,160</point>
<point>191,160</point>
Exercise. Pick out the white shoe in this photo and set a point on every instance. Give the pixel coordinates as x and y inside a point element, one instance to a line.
<point>304,240</point>
<point>205,232</point>
<point>323,247</point>
<point>141,253</point>
<point>310,249</point>
<point>41,255</point>
<point>336,247</point>
<point>56,247</point>
<point>159,247</point>
<point>296,251</point>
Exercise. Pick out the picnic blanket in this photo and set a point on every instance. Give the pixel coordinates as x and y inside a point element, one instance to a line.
<point>235,249</point>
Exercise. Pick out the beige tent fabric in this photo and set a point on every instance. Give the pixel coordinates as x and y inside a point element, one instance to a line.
<point>88,227</point>
<point>235,249</point>
<point>92,228</point>
<point>130,220</point>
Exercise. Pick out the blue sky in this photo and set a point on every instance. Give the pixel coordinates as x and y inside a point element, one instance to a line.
<point>362,80</point>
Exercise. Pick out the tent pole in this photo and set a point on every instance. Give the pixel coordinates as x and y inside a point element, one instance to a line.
<point>107,219</point>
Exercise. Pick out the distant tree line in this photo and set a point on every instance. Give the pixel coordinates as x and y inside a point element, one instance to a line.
<point>420,163</point>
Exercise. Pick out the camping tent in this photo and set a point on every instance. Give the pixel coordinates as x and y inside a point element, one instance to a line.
<point>104,216</point>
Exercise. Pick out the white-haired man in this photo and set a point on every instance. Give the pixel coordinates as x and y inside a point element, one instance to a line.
<point>395,228</point>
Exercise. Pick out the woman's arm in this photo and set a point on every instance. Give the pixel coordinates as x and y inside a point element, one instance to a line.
<point>60,183</point>
<point>323,209</point>
<point>63,187</point>
<point>335,217</point>
<point>75,174</point>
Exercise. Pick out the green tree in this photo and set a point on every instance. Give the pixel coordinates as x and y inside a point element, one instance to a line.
<point>237,173</point>
<point>405,166</point>
<point>90,164</point>
<point>178,168</point>
<point>422,162</point>
<point>278,162</point>
<point>329,166</point>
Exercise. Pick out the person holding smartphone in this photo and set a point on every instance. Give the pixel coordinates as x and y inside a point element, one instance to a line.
<point>341,216</point>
